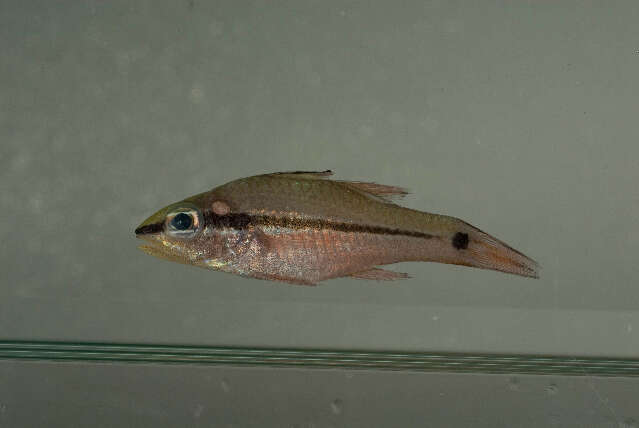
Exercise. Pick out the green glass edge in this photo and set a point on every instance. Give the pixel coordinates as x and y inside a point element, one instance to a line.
<point>318,358</point>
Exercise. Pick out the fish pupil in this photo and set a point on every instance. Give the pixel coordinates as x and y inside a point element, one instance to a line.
<point>182,221</point>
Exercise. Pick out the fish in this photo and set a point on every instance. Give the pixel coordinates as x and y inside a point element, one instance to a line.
<point>304,227</point>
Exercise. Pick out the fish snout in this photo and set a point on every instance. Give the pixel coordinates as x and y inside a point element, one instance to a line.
<point>149,229</point>
<point>152,225</point>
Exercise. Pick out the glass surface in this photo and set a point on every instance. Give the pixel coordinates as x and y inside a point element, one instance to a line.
<point>319,358</point>
<point>520,118</point>
<point>56,394</point>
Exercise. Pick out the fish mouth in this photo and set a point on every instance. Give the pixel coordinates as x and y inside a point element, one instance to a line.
<point>154,246</point>
<point>151,245</point>
<point>151,249</point>
<point>148,232</point>
<point>150,240</point>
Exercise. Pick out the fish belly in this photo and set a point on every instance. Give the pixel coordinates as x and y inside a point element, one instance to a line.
<point>310,256</point>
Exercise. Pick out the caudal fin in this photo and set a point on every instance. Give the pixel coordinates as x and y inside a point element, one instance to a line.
<point>476,248</point>
<point>487,252</point>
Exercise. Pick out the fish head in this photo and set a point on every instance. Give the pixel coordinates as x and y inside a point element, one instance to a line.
<point>179,233</point>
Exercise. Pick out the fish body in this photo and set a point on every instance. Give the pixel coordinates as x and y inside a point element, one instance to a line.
<point>303,228</point>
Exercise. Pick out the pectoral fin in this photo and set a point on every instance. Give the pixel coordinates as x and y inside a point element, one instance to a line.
<point>378,274</point>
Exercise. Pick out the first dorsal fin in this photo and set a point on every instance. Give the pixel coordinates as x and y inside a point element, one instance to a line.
<point>386,193</point>
<point>313,174</point>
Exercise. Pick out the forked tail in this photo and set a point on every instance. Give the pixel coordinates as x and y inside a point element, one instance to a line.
<point>491,253</point>
<point>469,246</point>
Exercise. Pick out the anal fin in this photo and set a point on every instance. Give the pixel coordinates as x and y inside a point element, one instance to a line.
<point>280,278</point>
<point>378,274</point>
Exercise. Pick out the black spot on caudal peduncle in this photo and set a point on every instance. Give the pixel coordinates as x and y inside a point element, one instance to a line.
<point>460,241</point>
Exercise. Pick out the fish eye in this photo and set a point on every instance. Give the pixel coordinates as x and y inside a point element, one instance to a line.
<point>183,222</point>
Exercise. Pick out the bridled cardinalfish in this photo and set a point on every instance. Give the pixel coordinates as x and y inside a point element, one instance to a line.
<point>303,228</point>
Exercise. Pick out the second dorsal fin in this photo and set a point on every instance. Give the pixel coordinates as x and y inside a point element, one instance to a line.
<point>387,193</point>
<point>382,191</point>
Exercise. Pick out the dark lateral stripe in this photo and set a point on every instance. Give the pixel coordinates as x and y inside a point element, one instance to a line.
<point>242,221</point>
<point>229,221</point>
<point>149,228</point>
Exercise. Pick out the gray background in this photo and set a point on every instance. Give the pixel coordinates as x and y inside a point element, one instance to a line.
<point>519,117</point>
